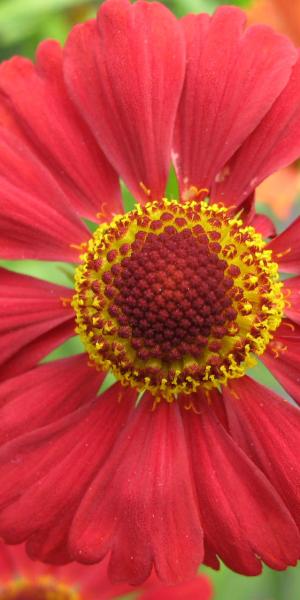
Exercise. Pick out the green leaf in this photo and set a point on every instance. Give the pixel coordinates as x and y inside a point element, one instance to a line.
<point>69,348</point>
<point>56,272</point>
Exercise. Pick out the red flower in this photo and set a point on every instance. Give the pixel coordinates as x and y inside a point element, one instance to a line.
<point>185,459</point>
<point>24,579</point>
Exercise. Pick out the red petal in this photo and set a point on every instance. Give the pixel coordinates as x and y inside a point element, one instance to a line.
<point>36,220</point>
<point>283,359</point>
<point>286,248</point>
<point>287,330</point>
<point>40,110</point>
<point>92,583</point>
<point>275,143</point>
<point>14,563</point>
<point>44,474</point>
<point>30,310</point>
<point>263,225</point>
<point>291,289</point>
<point>268,429</point>
<point>199,588</point>
<point>243,517</point>
<point>210,557</point>
<point>8,567</point>
<point>232,79</point>
<point>142,504</point>
<point>45,394</point>
<point>33,352</point>
<point>125,74</point>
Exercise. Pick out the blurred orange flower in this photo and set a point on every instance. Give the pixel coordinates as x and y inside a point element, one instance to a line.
<point>281,190</point>
<point>283,15</point>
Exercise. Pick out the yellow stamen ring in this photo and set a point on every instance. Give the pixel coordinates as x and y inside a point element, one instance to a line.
<point>43,588</point>
<point>172,297</point>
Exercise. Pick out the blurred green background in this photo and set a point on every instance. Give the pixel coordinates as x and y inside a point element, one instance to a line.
<point>23,24</point>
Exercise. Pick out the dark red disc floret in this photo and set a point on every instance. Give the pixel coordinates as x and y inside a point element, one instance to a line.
<point>170,294</point>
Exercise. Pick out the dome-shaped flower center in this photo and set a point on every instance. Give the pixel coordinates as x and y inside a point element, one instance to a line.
<point>44,588</point>
<point>176,296</point>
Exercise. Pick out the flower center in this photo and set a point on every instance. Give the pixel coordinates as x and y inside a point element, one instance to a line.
<point>175,296</point>
<point>44,588</point>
